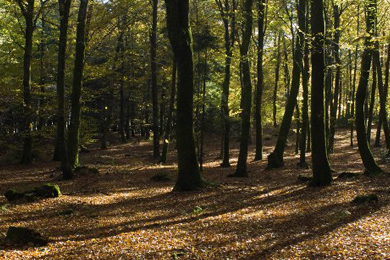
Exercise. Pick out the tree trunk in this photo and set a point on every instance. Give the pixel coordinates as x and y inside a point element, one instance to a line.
<point>153,54</point>
<point>275,159</point>
<point>382,95</point>
<point>305,93</point>
<point>28,13</point>
<point>322,174</point>
<point>246,88</point>
<point>74,126</point>
<point>260,79</point>
<point>189,177</point>
<point>336,48</point>
<point>372,103</point>
<point>277,69</point>
<point>64,10</point>
<point>386,87</point>
<point>227,11</point>
<point>368,160</point>
<point>170,115</point>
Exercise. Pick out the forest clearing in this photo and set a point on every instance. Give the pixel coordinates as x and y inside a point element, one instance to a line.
<point>121,213</point>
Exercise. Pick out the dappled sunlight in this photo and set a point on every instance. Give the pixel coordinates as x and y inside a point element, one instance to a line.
<point>121,212</point>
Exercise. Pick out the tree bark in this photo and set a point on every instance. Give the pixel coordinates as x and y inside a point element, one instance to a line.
<point>322,174</point>
<point>371,167</point>
<point>153,54</point>
<point>260,79</point>
<point>74,126</point>
<point>64,10</point>
<point>275,159</point>
<point>246,87</point>
<point>28,13</point>
<point>189,177</point>
<point>277,69</point>
<point>336,48</point>
<point>170,115</point>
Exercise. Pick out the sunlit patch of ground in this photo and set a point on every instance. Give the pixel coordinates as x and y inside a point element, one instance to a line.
<point>122,214</point>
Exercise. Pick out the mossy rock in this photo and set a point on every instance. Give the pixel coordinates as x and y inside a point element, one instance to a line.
<point>12,195</point>
<point>86,170</point>
<point>25,236</point>
<point>348,175</point>
<point>161,177</point>
<point>361,199</point>
<point>303,178</point>
<point>48,190</point>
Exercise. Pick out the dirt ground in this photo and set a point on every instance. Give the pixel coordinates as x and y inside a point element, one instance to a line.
<point>122,214</point>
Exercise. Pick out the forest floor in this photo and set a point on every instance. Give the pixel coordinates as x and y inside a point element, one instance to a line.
<point>121,213</point>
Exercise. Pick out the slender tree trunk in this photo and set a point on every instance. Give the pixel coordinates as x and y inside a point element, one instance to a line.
<point>275,159</point>
<point>170,115</point>
<point>189,177</point>
<point>42,77</point>
<point>241,170</point>
<point>372,103</point>
<point>386,86</point>
<point>153,54</point>
<point>202,120</point>
<point>337,89</point>
<point>64,10</point>
<point>28,13</point>
<point>277,69</point>
<point>227,11</point>
<point>353,115</point>
<point>260,80</point>
<point>286,70</point>
<point>74,126</point>
<point>370,165</point>
<point>322,174</point>
<point>305,93</point>
<point>382,95</point>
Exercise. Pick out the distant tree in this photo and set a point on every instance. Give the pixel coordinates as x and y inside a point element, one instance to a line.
<point>189,177</point>
<point>27,10</point>
<point>322,174</point>
<point>153,55</point>
<point>246,86</point>
<point>228,14</point>
<point>275,159</point>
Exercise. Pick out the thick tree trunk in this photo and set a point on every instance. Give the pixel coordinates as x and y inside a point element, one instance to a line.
<point>64,10</point>
<point>153,54</point>
<point>322,174</point>
<point>370,165</point>
<point>189,177</point>
<point>275,159</point>
<point>74,126</point>
<point>246,87</point>
<point>260,79</point>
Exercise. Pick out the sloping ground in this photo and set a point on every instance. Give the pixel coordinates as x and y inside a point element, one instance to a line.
<point>122,214</point>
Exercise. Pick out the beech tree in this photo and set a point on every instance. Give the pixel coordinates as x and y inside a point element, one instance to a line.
<point>322,174</point>
<point>189,177</point>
